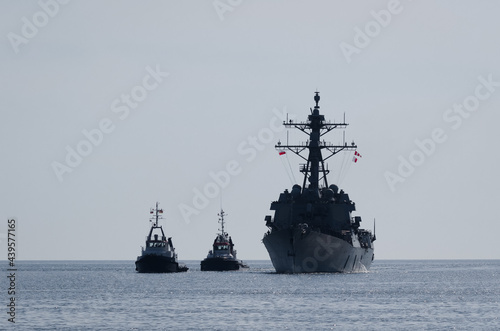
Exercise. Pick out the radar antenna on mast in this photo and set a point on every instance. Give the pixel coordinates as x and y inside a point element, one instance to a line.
<point>315,128</point>
<point>221,221</point>
<point>156,216</point>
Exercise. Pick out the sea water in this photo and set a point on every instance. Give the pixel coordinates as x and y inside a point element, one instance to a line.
<point>393,295</point>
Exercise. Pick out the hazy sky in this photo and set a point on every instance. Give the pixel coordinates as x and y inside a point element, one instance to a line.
<point>110,106</point>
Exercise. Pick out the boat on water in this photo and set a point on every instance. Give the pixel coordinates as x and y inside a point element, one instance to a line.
<point>313,229</point>
<point>158,256</point>
<point>222,257</point>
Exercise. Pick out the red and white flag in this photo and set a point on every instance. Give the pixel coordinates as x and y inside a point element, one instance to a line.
<point>355,157</point>
<point>282,152</point>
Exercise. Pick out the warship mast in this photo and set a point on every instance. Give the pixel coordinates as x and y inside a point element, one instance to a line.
<point>315,127</point>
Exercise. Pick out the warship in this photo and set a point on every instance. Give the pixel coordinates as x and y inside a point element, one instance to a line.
<point>222,257</point>
<point>312,229</point>
<point>158,256</point>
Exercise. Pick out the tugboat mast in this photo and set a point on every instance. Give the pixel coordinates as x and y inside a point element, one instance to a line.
<point>315,127</point>
<point>221,221</point>
<point>156,217</point>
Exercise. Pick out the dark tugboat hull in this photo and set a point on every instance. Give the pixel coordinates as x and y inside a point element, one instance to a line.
<point>315,252</point>
<point>157,264</point>
<point>221,264</point>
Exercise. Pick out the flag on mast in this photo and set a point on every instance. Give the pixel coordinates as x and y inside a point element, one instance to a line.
<point>355,157</point>
<point>282,152</point>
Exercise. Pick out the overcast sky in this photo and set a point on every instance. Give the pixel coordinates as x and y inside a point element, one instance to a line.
<point>110,106</point>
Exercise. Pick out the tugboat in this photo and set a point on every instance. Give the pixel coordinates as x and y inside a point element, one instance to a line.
<point>223,255</point>
<point>159,254</point>
<point>312,229</point>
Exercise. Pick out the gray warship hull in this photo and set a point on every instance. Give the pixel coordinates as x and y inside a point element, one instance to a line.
<point>296,252</point>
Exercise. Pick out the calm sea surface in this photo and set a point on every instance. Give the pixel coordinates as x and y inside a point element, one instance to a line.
<point>393,295</point>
